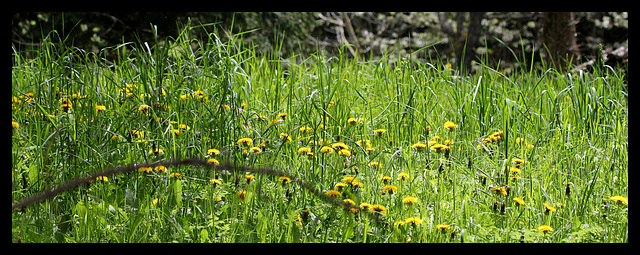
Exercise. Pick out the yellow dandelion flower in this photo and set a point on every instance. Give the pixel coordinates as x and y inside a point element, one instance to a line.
<point>100,107</point>
<point>438,147</point>
<point>304,150</point>
<point>365,206</point>
<point>215,181</point>
<point>155,201</point>
<point>285,137</point>
<point>283,116</point>
<point>518,200</point>
<point>443,227</point>
<point>409,200</point>
<point>339,186</point>
<point>339,146</point>
<point>144,169</point>
<point>375,164</point>
<point>334,193</point>
<point>245,142</point>
<point>326,150</point>
<point>255,150</point>
<point>213,161</point>
<point>352,121</point>
<point>344,152</point>
<point>620,199</point>
<point>15,125</point>
<point>450,125</point>
<point>413,221</point>
<point>379,132</point>
<point>213,152</point>
<point>284,179</point>
<point>378,208</point>
<point>102,178</point>
<point>304,130</point>
<point>390,189</point>
<point>160,168</point>
<point>403,176</point>
<point>549,208</point>
<point>545,228</point>
<point>175,175</point>
<point>419,146</point>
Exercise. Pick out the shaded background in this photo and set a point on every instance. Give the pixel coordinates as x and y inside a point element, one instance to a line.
<point>507,38</point>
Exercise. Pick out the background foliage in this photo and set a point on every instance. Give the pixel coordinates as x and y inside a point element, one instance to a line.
<point>506,36</point>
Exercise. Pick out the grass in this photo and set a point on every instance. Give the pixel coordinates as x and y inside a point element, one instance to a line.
<point>570,129</point>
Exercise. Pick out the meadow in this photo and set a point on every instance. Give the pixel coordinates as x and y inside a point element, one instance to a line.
<point>422,153</point>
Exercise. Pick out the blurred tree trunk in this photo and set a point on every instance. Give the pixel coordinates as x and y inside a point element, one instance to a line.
<point>559,36</point>
<point>464,40</point>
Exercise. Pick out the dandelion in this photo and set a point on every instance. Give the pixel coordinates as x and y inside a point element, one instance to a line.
<point>255,150</point>
<point>348,179</point>
<point>334,193</point>
<point>282,116</point>
<point>348,203</point>
<point>352,121</point>
<point>143,108</point>
<point>249,177</point>
<point>304,130</point>
<point>339,186</point>
<point>215,181</point>
<point>175,175</point>
<point>213,152</point>
<point>378,208</point>
<point>326,150</point>
<point>390,189</point>
<point>518,200</point>
<point>285,137</point>
<point>365,206</point>
<point>620,199</point>
<point>156,151</point>
<point>15,125</point>
<point>145,169</point>
<point>443,227</point>
<point>403,176</point>
<point>413,221</point>
<point>409,200</point>
<point>213,161</point>
<point>244,142</point>
<point>66,107</point>
<point>549,208</point>
<point>379,132</point>
<point>375,164</point>
<point>102,178</point>
<point>100,107</point>
<point>155,201</point>
<point>500,191</point>
<point>160,168</point>
<point>439,147</point>
<point>242,194</point>
<point>284,179</point>
<point>545,228</point>
<point>345,153</point>
<point>304,150</point>
<point>385,178</point>
<point>450,125</point>
<point>518,161</point>
<point>419,146</point>
<point>339,146</point>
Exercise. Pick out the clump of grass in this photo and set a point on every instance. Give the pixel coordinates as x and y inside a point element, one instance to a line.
<point>422,153</point>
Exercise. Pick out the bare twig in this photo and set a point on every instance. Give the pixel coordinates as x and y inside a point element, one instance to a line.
<point>192,161</point>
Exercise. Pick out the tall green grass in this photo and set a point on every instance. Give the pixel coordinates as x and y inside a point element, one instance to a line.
<point>571,130</point>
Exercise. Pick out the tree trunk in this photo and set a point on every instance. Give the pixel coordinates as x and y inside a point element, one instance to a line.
<point>464,40</point>
<point>559,36</point>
